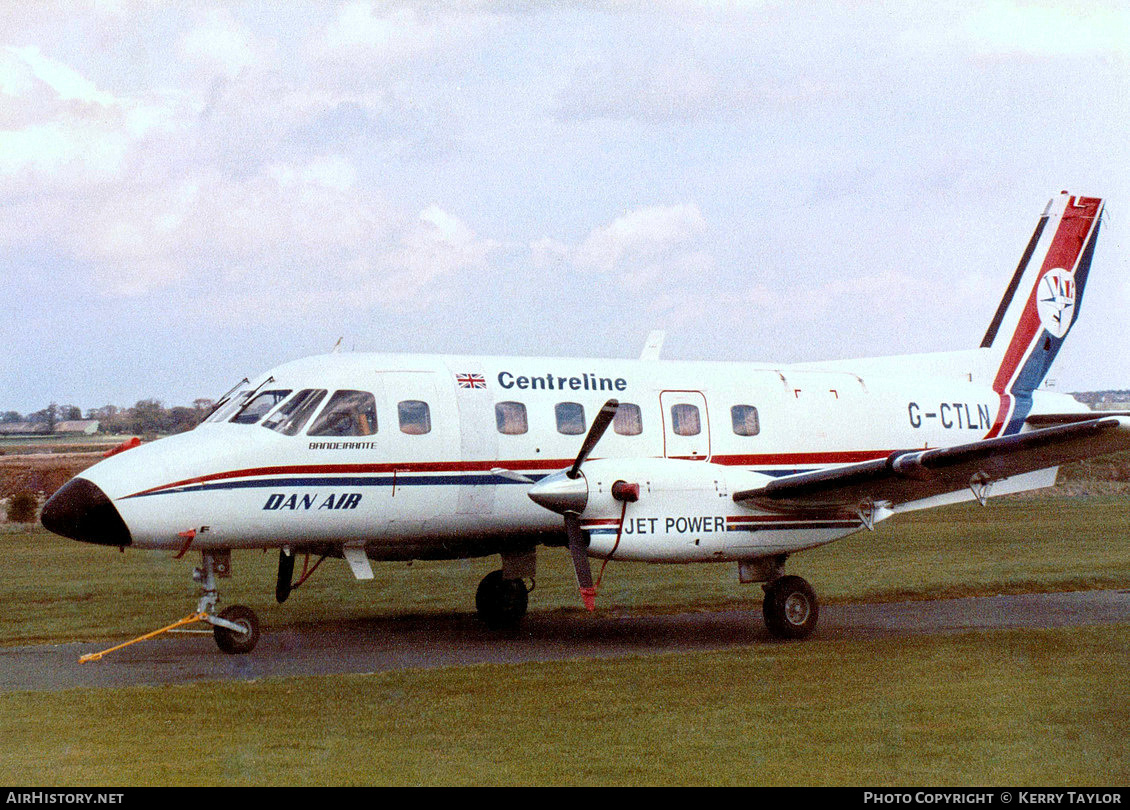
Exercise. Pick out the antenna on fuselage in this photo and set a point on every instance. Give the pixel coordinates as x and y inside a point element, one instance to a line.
<point>337,346</point>
<point>653,346</point>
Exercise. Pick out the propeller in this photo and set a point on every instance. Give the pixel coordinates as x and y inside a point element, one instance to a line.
<point>567,493</point>
<point>599,425</point>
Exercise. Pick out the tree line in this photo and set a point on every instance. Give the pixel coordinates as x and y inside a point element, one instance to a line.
<point>147,416</point>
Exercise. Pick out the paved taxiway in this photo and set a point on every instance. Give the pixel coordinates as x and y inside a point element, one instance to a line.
<point>441,641</point>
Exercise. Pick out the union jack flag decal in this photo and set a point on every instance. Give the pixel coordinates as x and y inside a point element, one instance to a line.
<point>471,380</point>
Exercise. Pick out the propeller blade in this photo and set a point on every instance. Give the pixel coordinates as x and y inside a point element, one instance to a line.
<point>599,425</point>
<point>580,559</point>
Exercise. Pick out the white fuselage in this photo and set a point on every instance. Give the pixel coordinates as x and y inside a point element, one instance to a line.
<point>459,487</point>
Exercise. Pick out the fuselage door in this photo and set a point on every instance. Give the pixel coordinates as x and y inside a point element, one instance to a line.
<point>478,436</point>
<point>686,425</point>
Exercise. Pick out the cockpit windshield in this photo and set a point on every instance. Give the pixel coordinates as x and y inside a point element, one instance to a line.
<point>259,406</point>
<point>230,402</point>
<point>241,397</point>
<point>295,412</point>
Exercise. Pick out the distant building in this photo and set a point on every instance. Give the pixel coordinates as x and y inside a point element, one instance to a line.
<point>1109,399</point>
<point>20,428</point>
<point>87,427</point>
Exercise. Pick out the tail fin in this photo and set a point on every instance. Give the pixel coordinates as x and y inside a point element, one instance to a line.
<point>1041,304</point>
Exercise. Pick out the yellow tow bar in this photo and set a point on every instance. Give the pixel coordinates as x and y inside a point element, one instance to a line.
<point>195,617</point>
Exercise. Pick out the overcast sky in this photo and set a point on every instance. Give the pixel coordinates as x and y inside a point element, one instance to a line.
<point>194,192</point>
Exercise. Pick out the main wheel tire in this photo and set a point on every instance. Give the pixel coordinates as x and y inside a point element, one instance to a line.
<point>232,642</point>
<point>790,608</point>
<point>501,603</point>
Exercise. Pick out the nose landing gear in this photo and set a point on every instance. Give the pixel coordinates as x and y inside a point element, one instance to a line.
<point>235,628</point>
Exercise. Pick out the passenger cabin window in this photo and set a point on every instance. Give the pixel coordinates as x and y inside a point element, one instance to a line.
<point>511,418</point>
<point>685,420</point>
<point>628,420</point>
<point>349,413</point>
<point>258,407</point>
<point>745,420</point>
<point>570,418</point>
<point>415,417</point>
<point>293,415</point>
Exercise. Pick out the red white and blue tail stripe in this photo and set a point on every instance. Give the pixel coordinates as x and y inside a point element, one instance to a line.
<point>1041,304</point>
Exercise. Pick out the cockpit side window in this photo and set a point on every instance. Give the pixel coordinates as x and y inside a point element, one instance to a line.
<point>258,407</point>
<point>293,415</point>
<point>349,413</point>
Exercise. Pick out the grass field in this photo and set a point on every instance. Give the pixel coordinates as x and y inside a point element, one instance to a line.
<point>1003,708</point>
<point>57,590</point>
<point>996,708</point>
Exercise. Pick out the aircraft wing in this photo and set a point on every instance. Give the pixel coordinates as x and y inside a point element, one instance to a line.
<point>1045,419</point>
<point>912,475</point>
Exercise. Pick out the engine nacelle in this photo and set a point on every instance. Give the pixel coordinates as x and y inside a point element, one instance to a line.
<point>679,511</point>
<point>685,513</point>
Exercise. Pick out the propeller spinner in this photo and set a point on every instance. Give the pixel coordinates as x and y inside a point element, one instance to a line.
<point>567,493</point>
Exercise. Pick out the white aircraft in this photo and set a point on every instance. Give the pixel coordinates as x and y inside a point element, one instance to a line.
<point>403,457</point>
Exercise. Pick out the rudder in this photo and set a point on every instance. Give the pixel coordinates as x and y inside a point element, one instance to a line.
<point>1041,304</point>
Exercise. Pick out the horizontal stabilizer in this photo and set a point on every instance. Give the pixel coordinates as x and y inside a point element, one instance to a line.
<point>912,475</point>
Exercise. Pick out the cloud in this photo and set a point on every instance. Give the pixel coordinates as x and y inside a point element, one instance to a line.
<point>57,127</point>
<point>436,247</point>
<point>293,238</point>
<point>1049,30</point>
<point>380,35</point>
<point>395,31</point>
<point>66,83</point>
<point>648,244</point>
<point>223,45</point>
<point>658,90</point>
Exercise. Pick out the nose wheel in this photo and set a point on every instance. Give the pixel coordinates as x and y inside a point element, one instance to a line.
<point>236,641</point>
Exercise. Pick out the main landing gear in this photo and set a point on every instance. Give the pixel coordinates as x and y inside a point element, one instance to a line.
<point>790,607</point>
<point>501,603</point>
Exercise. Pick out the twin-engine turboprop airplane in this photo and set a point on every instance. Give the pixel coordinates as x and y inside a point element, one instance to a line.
<point>401,457</point>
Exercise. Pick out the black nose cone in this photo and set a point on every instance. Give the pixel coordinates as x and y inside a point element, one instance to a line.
<point>81,511</point>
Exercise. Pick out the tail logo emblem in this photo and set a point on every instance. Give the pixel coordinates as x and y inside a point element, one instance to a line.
<point>1055,301</point>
